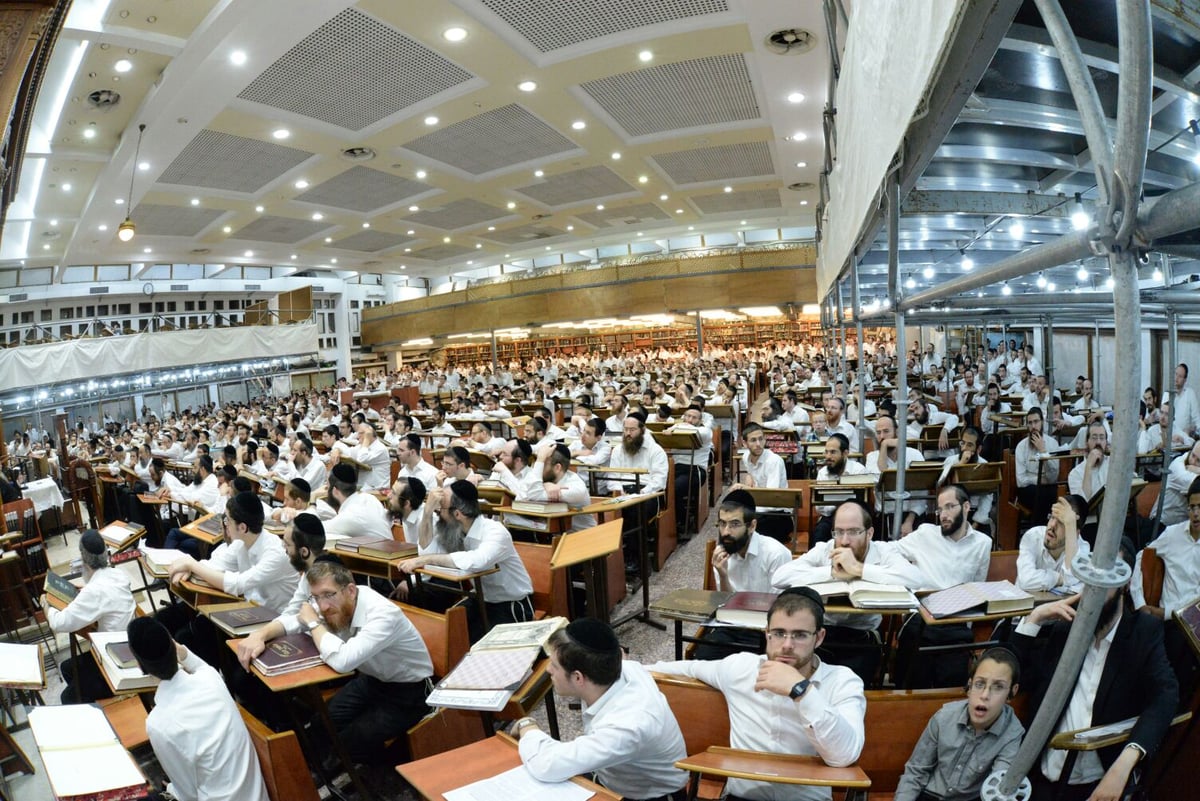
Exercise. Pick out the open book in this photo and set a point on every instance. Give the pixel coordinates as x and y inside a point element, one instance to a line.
<point>992,597</point>
<point>21,666</point>
<point>532,634</point>
<point>81,754</point>
<point>868,594</point>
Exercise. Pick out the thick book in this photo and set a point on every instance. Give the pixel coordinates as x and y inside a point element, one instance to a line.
<point>989,597</point>
<point>531,634</point>
<point>287,654</point>
<point>746,609</point>
<point>60,587</point>
<point>121,654</point>
<point>503,669</point>
<point>868,594</point>
<point>688,604</point>
<point>352,544</point>
<point>210,525</point>
<point>118,535</point>
<point>82,756</point>
<point>159,559</point>
<point>544,507</point>
<point>482,700</point>
<point>239,622</point>
<point>21,666</point>
<point>1188,618</point>
<point>121,679</point>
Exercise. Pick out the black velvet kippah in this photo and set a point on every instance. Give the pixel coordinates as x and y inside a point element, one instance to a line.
<point>92,542</point>
<point>593,635</point>
<point>465,490</point>
<point>417,488</point>
<point>309,523</point>
<point>741,497</point>
<point>346,473</point>
<point>149,639</point>
<point>301,486</point>
<point>807,592</point>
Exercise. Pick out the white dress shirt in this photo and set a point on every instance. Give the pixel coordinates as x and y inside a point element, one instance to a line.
<point>572,491</point>
<point>943,561</point>
<point>650,457</point>
<point>888,504</point>
<point>261,573</point>
<point>485,544</point>
<point>359,515</point>
<point>314,473</point>
<point>1038,571</point>
<point>374,456</point>
<point>380,642</point>
<point>751,571</point>
<point>1099,478</point>
<point>200,739</point>
<point>769,472</point>
<point>852,468</point>
<point>288,616</point>
<point>423,472</point>
<point>1027,461</point>
<point>827,721</point>
<point>206,493</point>
<point>630,739</point>
<point>1181,575</point>
<point>105,600</point>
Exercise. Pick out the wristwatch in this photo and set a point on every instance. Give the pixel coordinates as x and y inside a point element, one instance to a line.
<point>312,625</point>
<point>799,689</point>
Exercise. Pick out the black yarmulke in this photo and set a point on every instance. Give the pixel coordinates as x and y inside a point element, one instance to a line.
<point>593,635</point>
<point>149,639</point>
<point>92,542</point>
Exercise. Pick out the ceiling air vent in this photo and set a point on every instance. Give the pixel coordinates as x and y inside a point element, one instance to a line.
<point>98,290</point>
<point>802,186</point>
<point>537,217</point>
<point>18,296</point>
<point>104,99</point>
<point>179,287</point>
<point>200,251</point>
<point>318,288</point>
<point>790,41</point>
<point>253,287</point>
<point>358,154</point>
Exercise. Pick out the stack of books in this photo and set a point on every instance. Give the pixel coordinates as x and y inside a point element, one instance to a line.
<point>376,546</point>
<point>288,654</point>
<point>868,595</point>
<point>157,560</point>
<point>982,597</point>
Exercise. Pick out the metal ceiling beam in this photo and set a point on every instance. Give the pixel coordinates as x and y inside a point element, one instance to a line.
<point>923,201</point>
<point>1182,15</point>
<point>1006,155</point>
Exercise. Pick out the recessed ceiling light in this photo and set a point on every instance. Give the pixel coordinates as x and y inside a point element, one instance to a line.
<point>579,125</point>
<point>123,65</point>
<point>89,133</point>
<point>679,211</point>
<point>53,223</point>
<point>101,227</point>
<point>455,34</point>
<point>643,179</point>
<point>333,260</point>
<point>570,228</point>
<point>328,239</point>
<point>237,58</point>
<point>431,120</point>
<point>195,201</point>
<point>281,133</point>
<point>927,272</point>
<point>802,164</point>
<point>491,228</point>
<point>120,201</point>
<point>538,173</point>
<point>729,189</point>
<point>421,175</point>
<point>640,233</point>
<point>145,165</point>
<point>796,97</point>
<point>691,228</point>
<point>301,184</point>
<point>144,250</point>
<point>249,254</point>
<point>47,247</point>
<point>446,240</point>
<point>663,197</point>
<point>403,266</point>
<point>478,245</point>
<point>408,250</point>
<point>616,155</point>
<point>293,256</point>
<point>66,187</point>
<point>506,255</point>
<point>599,207</point>
<point>414,208</point>
<point>259,209</point>
<point>318,215</point>
<point>803,202</point>
<point>743,222</point>
<point>227,229</point>
<point>510,205</point>
<point>470,261</point>
<point>410,232</point>
<point>366,225</point>
<point>645,55</point>
<point>798,136</point>
<point>527,86</point>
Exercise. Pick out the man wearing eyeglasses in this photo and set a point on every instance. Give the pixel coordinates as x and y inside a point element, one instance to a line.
<point>788,700</point>
<point>851,640</point>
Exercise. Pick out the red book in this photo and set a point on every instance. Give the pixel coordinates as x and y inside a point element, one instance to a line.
<point>747,609</point>
<point>288,653</point>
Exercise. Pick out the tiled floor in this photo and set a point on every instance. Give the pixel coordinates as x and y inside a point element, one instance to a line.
<point>645,644</point>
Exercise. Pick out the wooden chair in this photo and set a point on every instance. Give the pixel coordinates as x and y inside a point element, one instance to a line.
<point>82,485</point>
<point>20,516</point>
<point>549,586</point>
<point>1003,566</point>
<point>1153,572</point>
<point>445,634</point>
<point>284,770</point>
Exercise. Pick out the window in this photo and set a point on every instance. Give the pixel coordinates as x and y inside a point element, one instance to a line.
<point>218,305</point>
<point>47,315</point>
<point>145,308</point>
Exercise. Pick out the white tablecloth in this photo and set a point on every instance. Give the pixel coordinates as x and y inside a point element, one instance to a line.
<point>44,493</point>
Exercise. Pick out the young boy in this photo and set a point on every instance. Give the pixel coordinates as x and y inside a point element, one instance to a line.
<point>968,740</point>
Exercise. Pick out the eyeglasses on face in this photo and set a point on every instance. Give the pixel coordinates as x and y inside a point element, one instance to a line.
<point>799,636</point>
<point>839,533</point>
<point>994,688</point>
<point>326,597</point>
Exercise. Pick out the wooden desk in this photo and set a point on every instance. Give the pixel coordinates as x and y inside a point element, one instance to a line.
<point>637,503</point>
<point>195,530</point>
<point>808,771</point>
<point>591,546</point>
<point>127,716</point>
<point>688,606</point>
<point>433,776</point>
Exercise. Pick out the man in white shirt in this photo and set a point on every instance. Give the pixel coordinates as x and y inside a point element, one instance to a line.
<point>1179,549</point>
<point>1091,474</point>
<point>743,560</point>
<point>851,639</point>
<point>836,422</point>
<point>788,700</point>
<point>308,468</point>
<point>551,479</point>
<point>923,415</point>
<point>968,453</point>
<point>106,600</point>
<point>359,513</point>
<point>1037,475</point>
<point>766,469</point>
<point>630,738</point>
<point>404,506</point>
<point>374,455</point>
<point>886,457</point>
<point>638,450</point>
<point>947,554</point>
<point>837,464</point>
<point>408,453</point>
<point>456,466</point>
<point>195,729</point>
<point>1187,410</point>
<point>618,409</point>
<point>591,450</point>
<point>453,533</point>
<point>1046,552</point>
<point>691,468</point>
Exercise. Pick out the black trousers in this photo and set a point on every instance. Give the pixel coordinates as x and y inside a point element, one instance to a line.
<point>178,540</point>
<point>721,641</point>
<point>91,685</point>
<point>1039,499</point>
<point>687,477</point>
<point>937,669</point>
<point>857,649</point>
<point>368,712</point>
<point>822,530</point>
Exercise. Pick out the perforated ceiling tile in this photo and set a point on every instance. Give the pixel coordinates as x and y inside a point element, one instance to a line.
<point>626,215</point>
<point>373,241</point>
<point>459,214</point>
<point>687,94</point>
<point>742,160</point>
<point>492,141</point>
<point>281,229</point>
<point>738,201</point>
<point>553,24</point>
<point>352,72</point>
<point>216,160</point>
<point>444,251</point>
<point>362,189</point>
<point>157,220</point>
<point>576,185</point>
<point>524,233</point>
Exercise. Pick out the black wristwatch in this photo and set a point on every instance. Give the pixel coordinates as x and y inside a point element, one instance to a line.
<point>799,689</point>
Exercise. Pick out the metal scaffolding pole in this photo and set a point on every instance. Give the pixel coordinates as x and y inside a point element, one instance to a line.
<point>856,302</point>
<point>1169,424</point>
<point>893,229</point>
<point>1048,346</point>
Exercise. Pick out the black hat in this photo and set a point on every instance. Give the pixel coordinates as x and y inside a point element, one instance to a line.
<point>742,498</point>
<point>465,490</point>
<point>245,507</point>
<point>149,640</point>
<point>593,635</point>
<point>345,473</point>
<point>92,542</point>
<point>310,524</point>
<point>416,488</point>
<point>301,486</point>
<point>807,592</point>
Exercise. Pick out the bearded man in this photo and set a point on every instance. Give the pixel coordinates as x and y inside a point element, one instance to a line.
<point>637,450</point>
